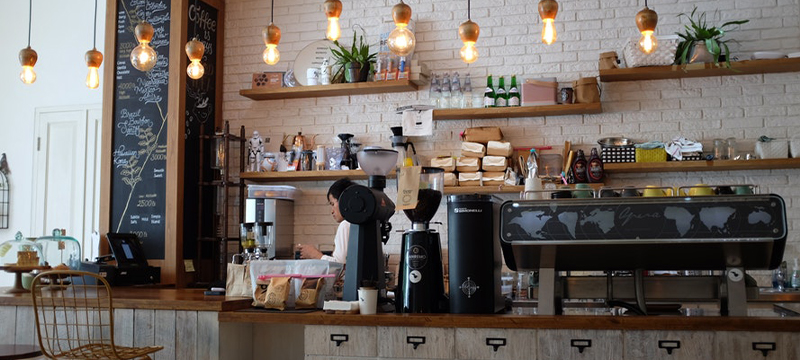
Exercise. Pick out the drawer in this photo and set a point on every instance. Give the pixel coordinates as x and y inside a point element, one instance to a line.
<point>495,344</point>
<point>668,345</point>
<point>740,345</point>
<point>416,342</point>
<point>579,344</point>
<point>341,340</point>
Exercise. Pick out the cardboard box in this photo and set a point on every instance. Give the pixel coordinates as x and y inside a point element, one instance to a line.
<point>543,91</point>
<point>267,80</point>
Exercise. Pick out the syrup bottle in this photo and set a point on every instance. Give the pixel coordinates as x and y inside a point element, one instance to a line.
<point>595,169</point>
<point>579,168</point>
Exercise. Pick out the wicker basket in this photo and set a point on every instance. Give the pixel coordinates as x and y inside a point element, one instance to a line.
<point>651,155</point>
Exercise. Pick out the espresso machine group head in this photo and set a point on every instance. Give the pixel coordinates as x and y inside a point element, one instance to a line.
<point>368,210</point>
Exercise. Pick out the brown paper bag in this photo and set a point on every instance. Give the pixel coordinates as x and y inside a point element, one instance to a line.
<point>407,187</point>
<point>482,134</point>
<point>238,281</point>
<point>586,90</point>
<point>608,60</point>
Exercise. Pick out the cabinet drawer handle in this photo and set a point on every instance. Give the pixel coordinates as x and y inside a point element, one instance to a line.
<point>415,340</point>
<point>339,338</point>
<point>669,345</point>
<point>581,344</point>
<point>495,343</point>
<point>764,347</point>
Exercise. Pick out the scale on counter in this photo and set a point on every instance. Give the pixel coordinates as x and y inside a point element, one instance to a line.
<point>733,233</point>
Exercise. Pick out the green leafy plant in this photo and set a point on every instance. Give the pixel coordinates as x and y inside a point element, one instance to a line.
<point>357,53</point>
<point>699,30</point>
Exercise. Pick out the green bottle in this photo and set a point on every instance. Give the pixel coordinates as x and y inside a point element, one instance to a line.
<point>488,94</point>
<point>501,96</point>
<point>513,93</point>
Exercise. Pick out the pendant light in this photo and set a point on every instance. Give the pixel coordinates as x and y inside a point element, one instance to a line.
<point>401,41</point>
<point>547,11</point>
<point>272,36</point>
<point>93,58</point>
<point>195,50</point>
<point>469,31</point>
<point>333,9</point>
<point>143,57</point>
<point>646,21</point>
<point>28,56</point>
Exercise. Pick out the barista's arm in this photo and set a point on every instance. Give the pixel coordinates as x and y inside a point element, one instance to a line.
<point>340,244</point>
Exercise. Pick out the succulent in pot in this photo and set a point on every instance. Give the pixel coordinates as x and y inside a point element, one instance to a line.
<point>702,42</point>
<point>352,64</point>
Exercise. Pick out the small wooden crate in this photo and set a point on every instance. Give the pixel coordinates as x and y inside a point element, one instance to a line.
<point>269,79</point>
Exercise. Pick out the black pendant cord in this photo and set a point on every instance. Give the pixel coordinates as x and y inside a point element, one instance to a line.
<point>30,18</point>
<point>145,10</point>
<point>94,40</point>
<point>468,10</point>
<point>272,12</point>
<point>645,3</point>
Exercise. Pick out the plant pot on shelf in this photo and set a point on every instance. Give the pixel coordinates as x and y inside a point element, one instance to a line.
<point>363,75</point>
<point>699,53</point>
<point>352,72</point>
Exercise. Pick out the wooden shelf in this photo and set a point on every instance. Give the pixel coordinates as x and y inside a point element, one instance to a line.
<point>501,189</point>
<point>718,165</point>
<point>362,88</point>
<point>746,67</point>
<point>517,111</point>
<point>276,176</point>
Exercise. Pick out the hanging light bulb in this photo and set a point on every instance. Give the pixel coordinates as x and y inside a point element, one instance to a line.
<point>93,60</point>
<point>272,36</point>
<point>28,56</point>
<point>143,57</point>
<point>195,50</point>
<point>646,21</point>
<point>333,9</point>
<point>547,11</point>
<point>401,41</point>
<point>469,31</point>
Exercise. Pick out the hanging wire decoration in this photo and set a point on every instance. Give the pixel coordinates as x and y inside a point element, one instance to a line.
<point>4,194</point>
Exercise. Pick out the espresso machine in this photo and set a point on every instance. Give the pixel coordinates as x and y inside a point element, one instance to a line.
<point>368,210</point>
<point>420,282</point>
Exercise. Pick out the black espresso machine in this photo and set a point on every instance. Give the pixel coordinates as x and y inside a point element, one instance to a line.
<point>728,234</point>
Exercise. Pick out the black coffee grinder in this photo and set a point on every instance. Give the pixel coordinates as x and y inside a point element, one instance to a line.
<point>368,210</point>
<point>420,282</point>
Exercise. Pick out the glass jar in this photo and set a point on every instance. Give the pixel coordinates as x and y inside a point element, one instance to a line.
<point>58,249</point>
<point>720,149</point>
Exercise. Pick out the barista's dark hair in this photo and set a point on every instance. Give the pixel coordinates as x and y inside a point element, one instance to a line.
<point>337,188</point>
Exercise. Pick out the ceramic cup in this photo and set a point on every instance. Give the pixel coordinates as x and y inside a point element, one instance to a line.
<point>630,191</point>
<point>367,301</point>
<point>312,76</point>
<point>653,191</point>
<point>583,191</point>
<point>744,190</point>
<point>701,190</point>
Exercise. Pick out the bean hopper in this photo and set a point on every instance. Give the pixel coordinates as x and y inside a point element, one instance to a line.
<point>420,283</point>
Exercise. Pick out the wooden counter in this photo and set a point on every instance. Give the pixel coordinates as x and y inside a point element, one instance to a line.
<point>508,321</point>
<point>153,299</point>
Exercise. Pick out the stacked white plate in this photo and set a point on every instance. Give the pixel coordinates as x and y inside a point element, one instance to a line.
<point>760,55</point>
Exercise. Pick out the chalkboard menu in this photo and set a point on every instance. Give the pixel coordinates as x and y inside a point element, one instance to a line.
<point>139,154</point>
<point>200,113</point>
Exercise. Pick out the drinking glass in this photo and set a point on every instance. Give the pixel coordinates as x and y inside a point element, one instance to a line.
<point>720,149</point>
<point>731,146</point>
<point>778,279</point>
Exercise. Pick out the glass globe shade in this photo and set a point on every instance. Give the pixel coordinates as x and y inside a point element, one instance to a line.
<point>271,54</point>
<point>469,53</point>
<point>401,41</point>
<point>648,42</point>
<point>143,57</point>
<point>27,75</point>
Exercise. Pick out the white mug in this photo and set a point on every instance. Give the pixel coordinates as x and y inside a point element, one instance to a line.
<point>367,301</point>
<point>311,76</point>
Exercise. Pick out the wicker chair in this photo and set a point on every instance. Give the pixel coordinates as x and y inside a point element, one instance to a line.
<point>75,317</point>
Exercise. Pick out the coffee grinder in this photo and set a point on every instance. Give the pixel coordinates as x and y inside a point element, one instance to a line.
<point>368,210</point>
<point>401,144</point>
<point>420,282</point>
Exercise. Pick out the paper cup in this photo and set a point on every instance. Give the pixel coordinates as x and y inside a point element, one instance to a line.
<point>367,301</point>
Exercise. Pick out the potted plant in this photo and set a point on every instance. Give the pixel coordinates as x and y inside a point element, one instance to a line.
<point>353,63</point>
<point>701,42</point>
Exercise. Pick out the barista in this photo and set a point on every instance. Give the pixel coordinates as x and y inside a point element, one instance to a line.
<point>342,233</point>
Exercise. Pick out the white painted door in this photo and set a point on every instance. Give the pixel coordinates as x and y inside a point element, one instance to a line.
<point>66,174</point>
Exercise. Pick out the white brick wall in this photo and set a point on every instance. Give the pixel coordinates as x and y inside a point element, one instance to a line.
<point>702,108</point>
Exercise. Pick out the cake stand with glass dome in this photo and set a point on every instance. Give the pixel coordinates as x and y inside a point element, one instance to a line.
<point>19,256</point>
<point>60,249</point>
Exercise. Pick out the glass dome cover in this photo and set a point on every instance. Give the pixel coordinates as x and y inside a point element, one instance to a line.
<point>60,249</point>
<point>9,250</point>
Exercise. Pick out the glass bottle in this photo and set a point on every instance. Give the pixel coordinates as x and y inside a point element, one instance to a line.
<point>467,92</point>
<point>513,93</point>
<point>444,102</point>
<point>456,96</point>
<point>488,94</point>
<point>434,93</point>
<point>579,168</point>
<point>501,97</point>
<point>595,170</point>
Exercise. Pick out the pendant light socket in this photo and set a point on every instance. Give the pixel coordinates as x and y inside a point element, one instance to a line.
<point>28,57</point>
<point>195,49</point>
<point>271,34</point>
<point>144,32</point>
<point>646,20</point>
<point>333,8</point>
<point>401,13</point>
<point>548,9</point>
<point>94,58</point>
<point>469,31</point>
